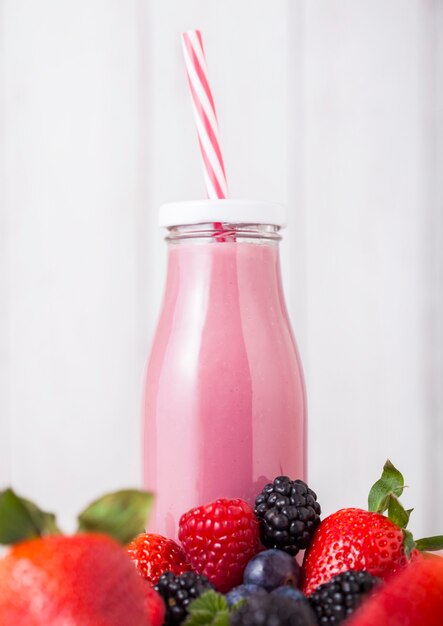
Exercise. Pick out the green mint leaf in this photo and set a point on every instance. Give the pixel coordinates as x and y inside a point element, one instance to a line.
<point>21,519</point>
<point>430,544</point>
<point>238,605</point>
<point>210,609</point>
<point>391,482</point>
<point>397,513</point>
<point>408,542</point>
<point>122,515</point>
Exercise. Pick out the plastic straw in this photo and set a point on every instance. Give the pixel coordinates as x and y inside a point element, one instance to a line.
<point>205,115</point>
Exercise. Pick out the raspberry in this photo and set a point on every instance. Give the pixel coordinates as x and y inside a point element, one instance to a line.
<point>289,514</point>
<point>219,539</point>
<point>334,601</point>
<point>153,555</point>
<point>178,591</point>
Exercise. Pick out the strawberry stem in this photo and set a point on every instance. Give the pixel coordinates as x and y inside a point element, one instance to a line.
<point>396,512</point>
<point>408,542</point>
<point>390,484</point>
<point>430,544</point>
<point>384,496</point>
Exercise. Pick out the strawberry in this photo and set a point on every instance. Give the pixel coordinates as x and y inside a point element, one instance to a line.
<point>154,606</point>
<point>414,597</point>
<point>154,554</point>
<point>48,579</point>
<point>365,540</point>
<point>219,539</point>
<point>85,579</point>
<point>353,539</point>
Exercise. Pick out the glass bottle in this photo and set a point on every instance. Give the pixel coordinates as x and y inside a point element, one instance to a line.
<point>224,401</point>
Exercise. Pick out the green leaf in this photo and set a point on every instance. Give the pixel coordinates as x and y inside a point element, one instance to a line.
<point>408,542</point>
<point>397,513</point>
<point>210,609</point>
<point>21,519</point>
<point>238,605</point>
<point>430,544</point>
<point>391,482</point>
<point>121,515</point>
<point>45,521</point>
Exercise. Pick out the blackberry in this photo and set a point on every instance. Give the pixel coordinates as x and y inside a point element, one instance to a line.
<point>273,610</point>
<point>335,600</point>
<point>178,591</point>
<point>288,513</point>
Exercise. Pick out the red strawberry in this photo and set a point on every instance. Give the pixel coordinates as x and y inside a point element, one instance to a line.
<point>353,539</point>
<point>365,540</point>
<point>414,597</point>
<point>85,580</point>
<point>154,554</point>
<point>219,539</point>
<point>155,607</point>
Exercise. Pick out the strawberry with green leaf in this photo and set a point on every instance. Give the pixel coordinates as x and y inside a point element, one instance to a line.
<point>87,579</point>
<point>354,539</point>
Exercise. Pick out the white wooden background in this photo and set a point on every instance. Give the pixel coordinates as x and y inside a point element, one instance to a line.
<point>334,107</point>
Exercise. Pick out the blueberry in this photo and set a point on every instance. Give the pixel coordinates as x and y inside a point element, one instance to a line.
<point>290,592</point>
<point>270,610</point>
<point>272,569</point>
<point>241,592</point>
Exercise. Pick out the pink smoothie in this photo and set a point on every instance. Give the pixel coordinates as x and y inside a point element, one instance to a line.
<point>224,402</point>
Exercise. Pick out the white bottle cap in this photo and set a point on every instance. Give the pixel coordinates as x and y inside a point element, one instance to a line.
<point>224,211</point>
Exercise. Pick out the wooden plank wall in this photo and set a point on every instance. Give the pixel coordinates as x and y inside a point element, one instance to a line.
<point>334,108</point>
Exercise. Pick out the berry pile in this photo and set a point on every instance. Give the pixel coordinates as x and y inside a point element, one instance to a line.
<point>249,555</point>
<point>235,566</point>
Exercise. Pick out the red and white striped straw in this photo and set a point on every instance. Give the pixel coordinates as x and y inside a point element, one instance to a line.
<point>205,116</point>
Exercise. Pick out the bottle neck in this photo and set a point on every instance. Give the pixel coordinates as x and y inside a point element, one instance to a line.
<point>219,232</point>
<point>233,263</point>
